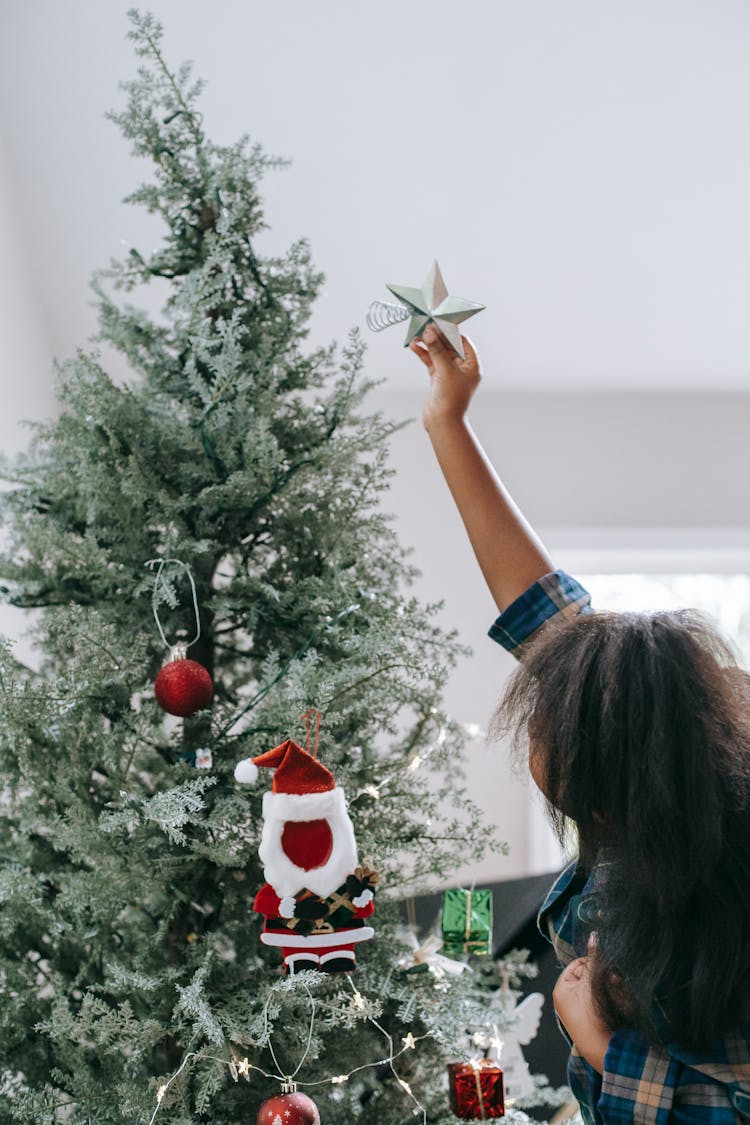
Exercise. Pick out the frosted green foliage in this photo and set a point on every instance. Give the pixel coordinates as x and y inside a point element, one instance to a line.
<point>127,937</point>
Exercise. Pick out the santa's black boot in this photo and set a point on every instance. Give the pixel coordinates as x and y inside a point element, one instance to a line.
<point>338,961</point>
<point>298,962</point>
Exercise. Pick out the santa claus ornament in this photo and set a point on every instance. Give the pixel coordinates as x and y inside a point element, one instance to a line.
<point>317,896</point>
<point>182,686</point>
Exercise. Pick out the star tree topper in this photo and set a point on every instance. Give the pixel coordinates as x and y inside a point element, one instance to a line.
<point>432,303</point>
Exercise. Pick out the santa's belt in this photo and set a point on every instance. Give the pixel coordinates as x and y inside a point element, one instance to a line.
<point>287,925</point>
<point>278,932</point>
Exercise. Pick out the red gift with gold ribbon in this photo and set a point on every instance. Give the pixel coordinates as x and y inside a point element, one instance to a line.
<point>475,1090</point>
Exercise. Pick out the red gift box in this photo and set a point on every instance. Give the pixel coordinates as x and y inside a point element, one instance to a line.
<point>476,1090</point>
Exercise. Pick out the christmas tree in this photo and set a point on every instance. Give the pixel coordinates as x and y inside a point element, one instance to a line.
<point>135,987</point>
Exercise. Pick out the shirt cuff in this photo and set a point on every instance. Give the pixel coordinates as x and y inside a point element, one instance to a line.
<point>554,595</point>
<point>639,1081</point>
<point>586,1086</point>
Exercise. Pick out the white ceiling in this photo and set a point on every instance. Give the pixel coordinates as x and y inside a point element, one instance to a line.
<point>581,168</point>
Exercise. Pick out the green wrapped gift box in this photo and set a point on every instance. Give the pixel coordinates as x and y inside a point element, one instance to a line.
<point>467,922</point>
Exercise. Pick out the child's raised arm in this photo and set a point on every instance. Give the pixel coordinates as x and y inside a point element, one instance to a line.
<point>509,553</point>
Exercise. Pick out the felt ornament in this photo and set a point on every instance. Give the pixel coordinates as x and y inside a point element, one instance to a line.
<point>317,895</point>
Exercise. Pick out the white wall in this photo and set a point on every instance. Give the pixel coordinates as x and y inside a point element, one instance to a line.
<point>580,167</point>
<point>25,347</point>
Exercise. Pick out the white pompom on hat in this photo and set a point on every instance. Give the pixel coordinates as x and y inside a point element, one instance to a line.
<point>246,772</point>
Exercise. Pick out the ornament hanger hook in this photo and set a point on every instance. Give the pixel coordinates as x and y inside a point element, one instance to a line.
<point>159,580</point>
<point>307,717</point>
<point>289,1079</point>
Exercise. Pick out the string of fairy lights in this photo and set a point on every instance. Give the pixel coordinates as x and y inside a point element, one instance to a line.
<point>243,1068</point>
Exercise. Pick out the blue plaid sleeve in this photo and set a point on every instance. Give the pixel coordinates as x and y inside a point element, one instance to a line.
<point>586,1086</point>
<point>643,1084</point>
<point>639,1083</point>
<point>556,595</point>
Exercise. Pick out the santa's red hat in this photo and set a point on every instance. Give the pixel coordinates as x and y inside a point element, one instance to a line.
<point>297,771</point>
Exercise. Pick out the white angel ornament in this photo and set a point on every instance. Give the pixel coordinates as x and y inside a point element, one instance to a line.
<point>505,1047</point>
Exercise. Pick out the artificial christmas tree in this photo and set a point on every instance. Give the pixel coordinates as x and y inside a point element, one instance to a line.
<point>134,984</point>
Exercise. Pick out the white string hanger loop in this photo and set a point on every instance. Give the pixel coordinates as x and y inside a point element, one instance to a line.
<point>180,648</point>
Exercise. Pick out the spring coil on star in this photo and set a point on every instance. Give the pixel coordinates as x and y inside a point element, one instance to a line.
<point>382,314</point>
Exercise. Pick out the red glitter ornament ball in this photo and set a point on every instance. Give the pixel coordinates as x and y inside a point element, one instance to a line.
<point>183,687</point>
<point>289,1109</point>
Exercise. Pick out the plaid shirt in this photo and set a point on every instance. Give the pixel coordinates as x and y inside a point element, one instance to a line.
<point>642,1083</point>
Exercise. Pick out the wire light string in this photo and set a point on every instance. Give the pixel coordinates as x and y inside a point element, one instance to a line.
<point>290,1077</point>
<point>159,580</point>
<point>417,760</point>
<point>241,1068</point>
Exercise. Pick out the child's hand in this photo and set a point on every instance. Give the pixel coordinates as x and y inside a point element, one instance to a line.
<point>452,380</point>
<point>574,1004</point>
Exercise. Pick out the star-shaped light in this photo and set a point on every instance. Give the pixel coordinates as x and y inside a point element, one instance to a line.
<point>432,303</point>
<point>409,1042</point>
<point>496,1044</point>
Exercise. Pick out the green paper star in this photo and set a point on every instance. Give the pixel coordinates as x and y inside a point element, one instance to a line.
<point>432,304</point>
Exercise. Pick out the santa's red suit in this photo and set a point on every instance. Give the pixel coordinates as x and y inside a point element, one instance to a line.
<point>316,896</point>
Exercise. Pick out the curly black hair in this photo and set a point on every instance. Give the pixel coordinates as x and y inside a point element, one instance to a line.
<point>639,727</point>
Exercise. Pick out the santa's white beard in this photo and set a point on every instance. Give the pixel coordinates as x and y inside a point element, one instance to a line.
<point>283,875</point>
